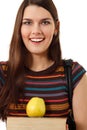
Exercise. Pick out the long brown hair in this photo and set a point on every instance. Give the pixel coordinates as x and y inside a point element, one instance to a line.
<point>17,56</point>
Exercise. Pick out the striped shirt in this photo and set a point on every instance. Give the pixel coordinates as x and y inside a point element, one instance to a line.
<point>50,84</point>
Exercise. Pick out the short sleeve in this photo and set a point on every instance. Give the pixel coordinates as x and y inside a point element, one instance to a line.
<point>77,73</point>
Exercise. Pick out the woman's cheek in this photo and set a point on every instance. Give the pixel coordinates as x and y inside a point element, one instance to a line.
<point>24,33</point>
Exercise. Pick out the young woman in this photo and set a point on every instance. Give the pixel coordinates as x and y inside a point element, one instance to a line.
<point>35,67</point>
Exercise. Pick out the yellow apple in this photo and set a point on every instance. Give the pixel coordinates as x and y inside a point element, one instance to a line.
<point>36,107</point>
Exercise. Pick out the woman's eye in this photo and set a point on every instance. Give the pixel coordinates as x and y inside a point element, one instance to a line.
<point>45,22</point>
<point>27,22</point>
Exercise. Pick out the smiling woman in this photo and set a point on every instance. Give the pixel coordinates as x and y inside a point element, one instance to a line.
<point>37,31</point>
<point>70,13</point>
<point>35,67</point>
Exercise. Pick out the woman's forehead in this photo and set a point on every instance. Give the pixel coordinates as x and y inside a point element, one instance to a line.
<point>36,11</point>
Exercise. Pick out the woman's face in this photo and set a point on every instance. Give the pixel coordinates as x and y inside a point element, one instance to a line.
<point>37,29</point>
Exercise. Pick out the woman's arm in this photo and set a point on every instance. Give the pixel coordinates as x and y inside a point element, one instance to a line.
<point>80,104</point>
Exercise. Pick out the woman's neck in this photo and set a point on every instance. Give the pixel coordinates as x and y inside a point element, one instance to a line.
<point>40,63</point>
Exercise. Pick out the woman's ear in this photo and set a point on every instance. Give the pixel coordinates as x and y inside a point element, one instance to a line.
<point>57,28</point>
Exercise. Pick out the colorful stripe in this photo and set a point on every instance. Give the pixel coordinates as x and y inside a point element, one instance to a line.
<point>51,87</point>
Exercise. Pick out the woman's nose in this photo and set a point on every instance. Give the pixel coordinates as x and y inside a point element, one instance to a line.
<point>36,29</point>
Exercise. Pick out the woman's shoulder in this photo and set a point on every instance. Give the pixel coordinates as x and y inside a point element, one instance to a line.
<point>78,72</point>
<point>77,67</point>
<point>3,63</point>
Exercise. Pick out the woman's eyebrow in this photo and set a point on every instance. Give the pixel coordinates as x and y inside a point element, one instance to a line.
<point>46,19</point>
<point>40,19</point>
<point>26,19</point>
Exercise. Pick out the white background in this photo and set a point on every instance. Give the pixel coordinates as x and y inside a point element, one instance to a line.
<point>73,29</point>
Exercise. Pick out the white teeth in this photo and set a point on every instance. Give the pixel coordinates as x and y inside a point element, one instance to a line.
<point>36,40</point>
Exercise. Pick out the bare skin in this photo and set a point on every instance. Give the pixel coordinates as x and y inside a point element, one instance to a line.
<point>80,104</point>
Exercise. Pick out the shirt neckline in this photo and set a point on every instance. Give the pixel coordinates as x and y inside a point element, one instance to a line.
<point>46,71</point>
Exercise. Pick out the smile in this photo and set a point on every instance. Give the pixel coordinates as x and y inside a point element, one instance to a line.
<point>37,39</point>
